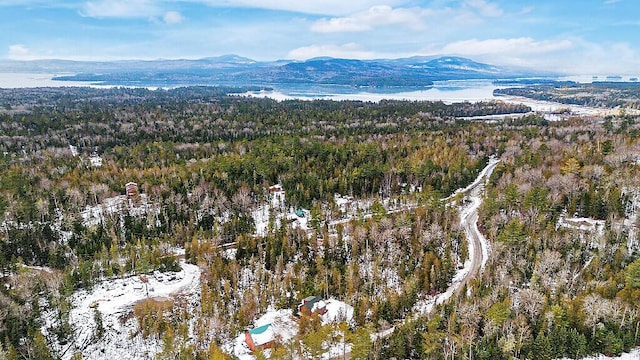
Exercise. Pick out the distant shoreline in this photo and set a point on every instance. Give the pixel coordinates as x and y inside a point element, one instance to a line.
<point>449,91</point>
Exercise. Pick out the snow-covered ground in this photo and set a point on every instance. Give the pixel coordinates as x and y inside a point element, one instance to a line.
<point>95,161</point>
<point>277,205</point>
<point>284,327</point>
<point>261,219</point>
<point>473,91</point>
<point>549,107</point>
<point>591,231</point>
<point>337,311</point>
<point>94,215</point>
<point>631,217</point>
<point>584,224</point>
<point>633,355</point>
<point>114,299</point>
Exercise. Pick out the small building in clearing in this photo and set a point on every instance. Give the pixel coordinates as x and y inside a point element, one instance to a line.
<point>260,338</point>
<point>312,305</point>
<point>276,194</point>
<point>95,160</point>
<point>131,189</point>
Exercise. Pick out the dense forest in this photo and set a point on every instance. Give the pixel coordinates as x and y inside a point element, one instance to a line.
<point>203,163</point>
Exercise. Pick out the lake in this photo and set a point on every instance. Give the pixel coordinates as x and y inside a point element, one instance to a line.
<point>446,91</point>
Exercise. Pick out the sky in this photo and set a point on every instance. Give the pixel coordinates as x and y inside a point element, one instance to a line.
<point>571,36</point>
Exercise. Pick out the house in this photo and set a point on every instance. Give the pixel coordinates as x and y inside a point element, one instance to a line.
<point>276,194</point>
<point>131,189</point>
<point>312,305</point>
<point>260,338</point>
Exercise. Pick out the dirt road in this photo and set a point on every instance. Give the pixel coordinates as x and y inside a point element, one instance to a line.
<point>478,245</point>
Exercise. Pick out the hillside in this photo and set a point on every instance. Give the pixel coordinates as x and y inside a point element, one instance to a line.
<point>238,71</point>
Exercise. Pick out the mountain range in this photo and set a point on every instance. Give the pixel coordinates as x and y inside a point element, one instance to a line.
<point>240,71</point>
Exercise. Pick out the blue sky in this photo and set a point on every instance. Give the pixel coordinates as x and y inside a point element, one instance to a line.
<point>574,36</point>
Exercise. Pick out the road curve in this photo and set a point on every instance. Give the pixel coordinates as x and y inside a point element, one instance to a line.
<point>478,245</point>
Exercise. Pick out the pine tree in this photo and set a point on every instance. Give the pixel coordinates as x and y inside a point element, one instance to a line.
<point>361,344</point>
<point>542,348</point>
<point>215,353</point>
<point>99,330</point>
<point>41,348</point>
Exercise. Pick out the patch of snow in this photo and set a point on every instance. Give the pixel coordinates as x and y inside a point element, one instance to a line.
<point>584,224</point>
<point>95,161</point>
<point>74,150</point>
<point>229,254</point>
<point>337,311</point>
<point>46,269</point>
<point>114,299</point>
<point>586,265</point>
<point>94,215</point>
<point>391,279</point>
<point>261,220</point>
<point>298,222</point>
<point>382,334</point>
<point>633,355</point>
<point>337,350</point>
<point>283,327</point>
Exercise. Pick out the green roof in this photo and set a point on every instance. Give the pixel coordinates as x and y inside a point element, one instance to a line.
<point>259,330</point>
<point>309,301</point>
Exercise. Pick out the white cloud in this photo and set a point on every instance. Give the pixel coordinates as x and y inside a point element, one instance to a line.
<point>515,46</point>
<point>130,9</point>
<point>484,8</point>
<point>173,17</point>
<point>570,56</point>
<point>120,9</point>
<point>593,58</point>
<point>19,52</point>
<point>371,18</point>
<point>47,3</point>
<point>416,18</point>
<point>348,51</point>
<point>325,7</point>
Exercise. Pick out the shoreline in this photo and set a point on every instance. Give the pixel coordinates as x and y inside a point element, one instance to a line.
<point>449,92</point>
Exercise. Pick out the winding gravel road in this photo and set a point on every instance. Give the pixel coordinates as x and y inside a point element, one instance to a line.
<point>478,245</point>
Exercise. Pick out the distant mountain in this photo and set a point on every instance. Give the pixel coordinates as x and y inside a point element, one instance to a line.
<point>341,72</point>
<point>238,70</point>
<point>233,59</point>
<point>463,64</point>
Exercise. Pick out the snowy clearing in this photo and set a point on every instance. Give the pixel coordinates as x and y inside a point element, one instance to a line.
<point>114,299</point>
<point>284,327</point>
<point>584,224</point>
<point>633,355</point>
<point>94,215</point>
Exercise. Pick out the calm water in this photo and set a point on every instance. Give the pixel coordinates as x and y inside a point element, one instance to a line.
<point>446,91</point>
<point>29,80</point>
